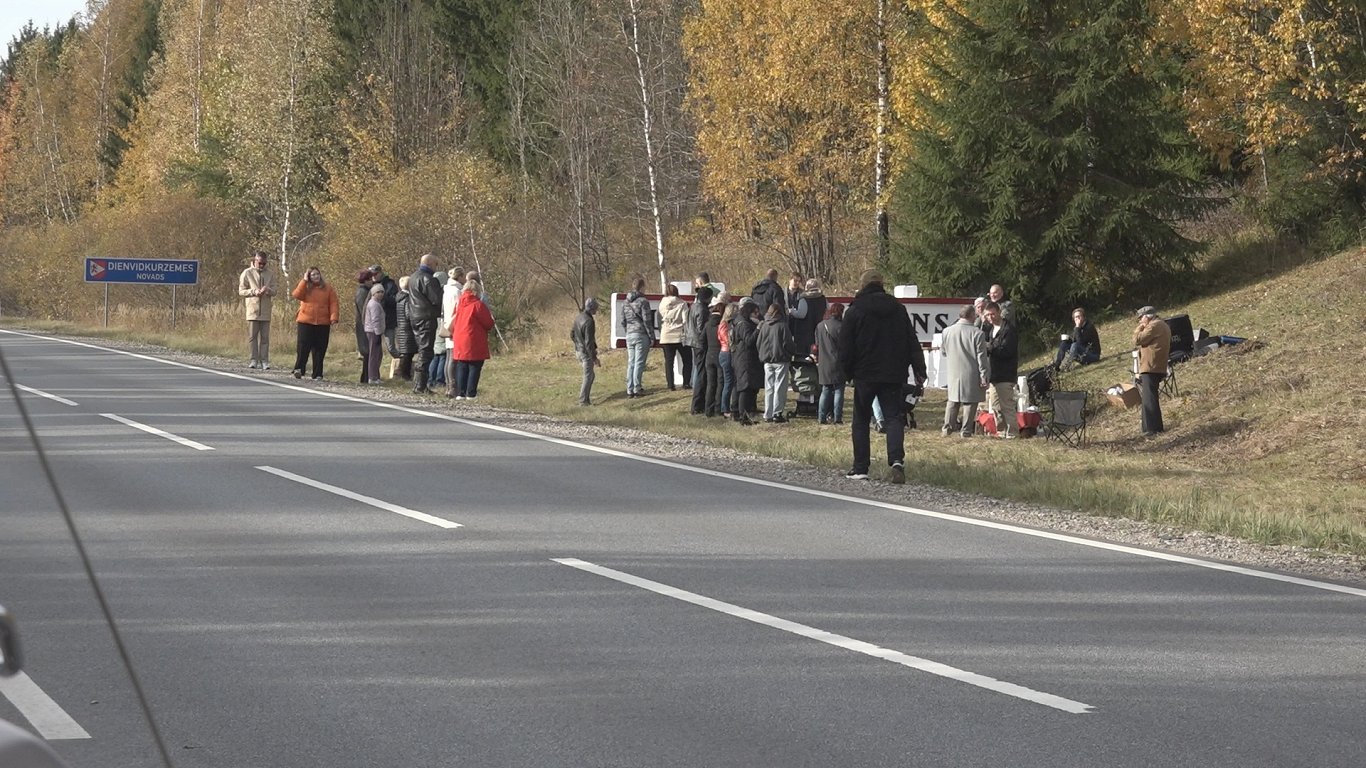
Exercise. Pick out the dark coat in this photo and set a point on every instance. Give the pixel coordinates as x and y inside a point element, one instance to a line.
<point>697,317</point>
<point>1003,350</point>
<point>744,355</point>
<point>711,342</point>
<point>584,334</point>
<point>877,341</point>
<point>804,328</point>
<point>390,302</point>
<point>424,304</point>
<point>768,292</point>
<point>362,298</point>
<point>1088,336</point>
<point>775,341</point>
<point>828,353</point>
<point>403,335</point>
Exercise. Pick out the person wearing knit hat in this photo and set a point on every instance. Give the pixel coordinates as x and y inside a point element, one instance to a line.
<point>869,277</point>
<point>584,333</point>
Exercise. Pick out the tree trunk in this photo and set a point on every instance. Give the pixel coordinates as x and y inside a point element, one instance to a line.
<point>647,125</point>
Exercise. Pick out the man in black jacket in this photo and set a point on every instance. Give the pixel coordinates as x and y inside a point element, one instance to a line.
<point>697,323</point>
<point>1003,350</point>
<point>767,291</point>
<point>424,312</point>
<point>1082,345</point>
<point>877,348</point>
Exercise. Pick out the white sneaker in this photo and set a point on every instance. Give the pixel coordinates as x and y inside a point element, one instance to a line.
<point>265,366</point>
<point>471,397</point>
<point>459,397</point>
<point>252,364</point>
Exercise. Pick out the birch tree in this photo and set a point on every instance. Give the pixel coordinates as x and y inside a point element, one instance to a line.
<point>275,108</point>
<point>785,94</point>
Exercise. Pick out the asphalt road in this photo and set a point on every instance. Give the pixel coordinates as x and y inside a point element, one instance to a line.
<point>293,592</point>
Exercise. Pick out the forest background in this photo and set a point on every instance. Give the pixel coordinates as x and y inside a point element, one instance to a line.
<point>1075,151</point>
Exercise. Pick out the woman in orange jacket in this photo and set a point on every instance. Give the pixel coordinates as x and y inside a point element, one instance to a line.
<point>317,315</point>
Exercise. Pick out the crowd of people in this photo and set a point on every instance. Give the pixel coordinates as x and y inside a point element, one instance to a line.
<point>433,324</point>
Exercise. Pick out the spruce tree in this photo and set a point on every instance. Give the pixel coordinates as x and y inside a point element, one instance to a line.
<point>1050,159</point>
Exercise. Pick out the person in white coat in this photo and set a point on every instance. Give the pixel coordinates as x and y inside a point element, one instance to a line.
<point>965,357</point>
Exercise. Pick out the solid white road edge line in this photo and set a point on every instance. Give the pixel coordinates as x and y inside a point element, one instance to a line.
<point>158,432</point>
<point>1017,529</point>
<point>48,395</point>
<point>839,641</point>
<point>47,718</point>
<point>424,517</point>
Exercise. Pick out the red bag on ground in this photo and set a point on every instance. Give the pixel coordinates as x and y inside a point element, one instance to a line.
<point>987,421</point>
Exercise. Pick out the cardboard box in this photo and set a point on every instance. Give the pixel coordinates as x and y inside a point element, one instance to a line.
<point>1129,396</point>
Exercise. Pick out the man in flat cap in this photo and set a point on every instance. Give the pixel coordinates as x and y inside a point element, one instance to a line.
<point>1154,341</point>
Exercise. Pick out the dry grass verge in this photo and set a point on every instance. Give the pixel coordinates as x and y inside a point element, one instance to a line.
<point>1266,441</point>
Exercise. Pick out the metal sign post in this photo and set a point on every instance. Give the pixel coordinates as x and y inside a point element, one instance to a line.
<point>170,272</point>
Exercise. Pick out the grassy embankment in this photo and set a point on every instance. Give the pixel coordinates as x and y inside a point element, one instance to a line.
<point>1267,440</point>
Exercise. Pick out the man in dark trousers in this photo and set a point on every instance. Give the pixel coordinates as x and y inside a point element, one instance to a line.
<point>1154,341</point>
<point>584,333</point>
<point>424,313</point>
<point>1003,353</point>
<point>877,345</point>
<point>697,324</point>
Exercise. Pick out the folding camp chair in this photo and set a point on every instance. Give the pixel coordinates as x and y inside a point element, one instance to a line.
<point>1068,423</point>
<point>1169,387</point>
<point>1041,383</point>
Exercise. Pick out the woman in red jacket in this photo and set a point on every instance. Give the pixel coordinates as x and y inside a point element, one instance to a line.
<point>317,315</point>
<point>470,340</point>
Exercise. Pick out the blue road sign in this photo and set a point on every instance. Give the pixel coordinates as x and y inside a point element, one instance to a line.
<point>146,271</point>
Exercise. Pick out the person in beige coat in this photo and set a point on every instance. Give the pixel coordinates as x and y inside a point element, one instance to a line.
<point>673,318</point>
<point>1154,341</point>
<point>256,285</point>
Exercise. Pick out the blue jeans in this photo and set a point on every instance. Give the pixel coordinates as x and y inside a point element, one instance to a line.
<point>1082,353</point>
<point>775,390</point>
<point>467,377</point>
<point>637,349</point>
<point>727,382</point>
<point>831,404</point>
<point>436,370</point>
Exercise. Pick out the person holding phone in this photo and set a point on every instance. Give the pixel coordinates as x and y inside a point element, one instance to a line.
<point>317,314</point>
